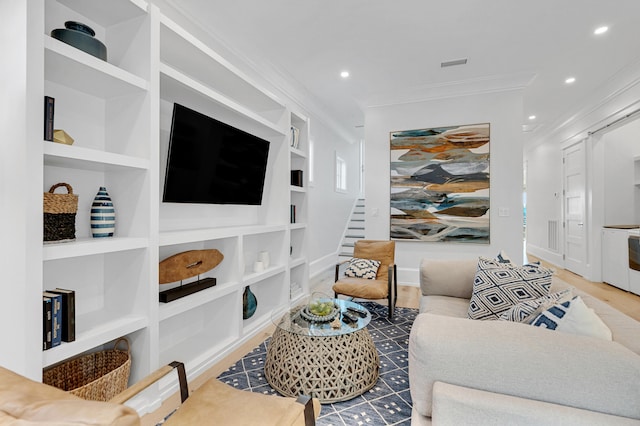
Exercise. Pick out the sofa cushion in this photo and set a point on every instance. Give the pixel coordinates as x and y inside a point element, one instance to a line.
<point>625,330</point>
<point>499,286</point>
<point>573,316</point>
<point>521,360</point>
<point>362,268</point>
<point>362,288</point>
<point>458,405</point>
<point>528,310</point>
<point>447,277</point>
<point>445,305</point>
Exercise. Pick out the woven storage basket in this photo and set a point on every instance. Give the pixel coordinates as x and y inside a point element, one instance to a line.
<point>98,376</point>
<point>60,214</point>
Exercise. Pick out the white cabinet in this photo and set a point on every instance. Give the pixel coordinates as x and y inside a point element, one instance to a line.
<point>119,113</point>
<point>615,257</point>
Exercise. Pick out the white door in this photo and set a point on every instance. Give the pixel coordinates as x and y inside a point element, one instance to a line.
<point>575,241</point>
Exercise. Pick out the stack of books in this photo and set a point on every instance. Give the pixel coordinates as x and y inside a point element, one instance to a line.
<point>58,317</point>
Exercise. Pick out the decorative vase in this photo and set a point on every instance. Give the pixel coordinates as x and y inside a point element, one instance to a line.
<point>249,303</point>
<point>103,215</point>
<point>263,257</point>
<point>81,36</point>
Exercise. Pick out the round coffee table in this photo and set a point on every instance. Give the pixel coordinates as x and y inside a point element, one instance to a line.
<point>314,359</point>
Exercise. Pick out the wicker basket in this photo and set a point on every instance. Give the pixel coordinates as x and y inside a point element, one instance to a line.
<point>98,376</point>
<point>60,214</point>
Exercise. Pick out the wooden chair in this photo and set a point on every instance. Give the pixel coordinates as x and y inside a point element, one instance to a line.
<point>384,286</point>
<point>23,401</point>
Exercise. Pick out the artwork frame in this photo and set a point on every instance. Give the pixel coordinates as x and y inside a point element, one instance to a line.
<point>440,184</point>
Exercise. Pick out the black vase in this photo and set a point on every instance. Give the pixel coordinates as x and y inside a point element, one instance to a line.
<point>81,36</point>
<point>249,303</point>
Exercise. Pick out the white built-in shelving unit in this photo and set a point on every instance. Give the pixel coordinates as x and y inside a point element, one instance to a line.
<point>107,107</point>
<point>298,264</point>
<point>119,113</point>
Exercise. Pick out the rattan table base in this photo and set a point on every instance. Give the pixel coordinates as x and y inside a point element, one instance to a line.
<point>330,368</point>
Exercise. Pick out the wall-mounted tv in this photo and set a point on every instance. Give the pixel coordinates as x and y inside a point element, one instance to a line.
<point>211,162</point>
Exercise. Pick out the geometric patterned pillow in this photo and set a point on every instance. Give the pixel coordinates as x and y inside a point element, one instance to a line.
<point>499,286</point>
<point>525,312</point>
<point>362,268</point>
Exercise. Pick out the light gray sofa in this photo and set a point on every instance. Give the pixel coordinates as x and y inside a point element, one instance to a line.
<point>470,372</point>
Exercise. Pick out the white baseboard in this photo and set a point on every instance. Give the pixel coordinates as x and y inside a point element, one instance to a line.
<point>546,255</point>
<point>409,277</point>
<point>322,265</point>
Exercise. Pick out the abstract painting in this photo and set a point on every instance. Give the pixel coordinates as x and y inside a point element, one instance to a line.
<point>440,184</point>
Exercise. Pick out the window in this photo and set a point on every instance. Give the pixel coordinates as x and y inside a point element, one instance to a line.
<point>341,174</point>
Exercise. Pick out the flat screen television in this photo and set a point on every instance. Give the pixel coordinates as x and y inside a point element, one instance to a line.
<point>211,162</point>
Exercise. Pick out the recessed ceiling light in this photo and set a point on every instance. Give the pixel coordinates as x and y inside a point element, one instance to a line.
<point>601,30</point>
<point>344,74</point>
<point>532,117</point>
<point>570,80</point>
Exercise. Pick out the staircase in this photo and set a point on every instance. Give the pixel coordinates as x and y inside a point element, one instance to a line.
<point>354,232</point>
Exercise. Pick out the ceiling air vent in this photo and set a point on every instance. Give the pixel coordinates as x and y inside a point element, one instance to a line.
<point>453,63</point>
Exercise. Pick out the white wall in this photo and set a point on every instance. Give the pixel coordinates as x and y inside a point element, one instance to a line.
<point>329,210</point>
<point>544,200</point>
<point>503,110</point>
<point>621,197</point>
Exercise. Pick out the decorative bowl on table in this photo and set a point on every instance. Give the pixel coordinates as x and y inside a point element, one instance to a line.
<point>321,308</point>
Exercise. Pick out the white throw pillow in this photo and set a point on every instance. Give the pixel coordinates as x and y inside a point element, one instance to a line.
<point>573,316</point>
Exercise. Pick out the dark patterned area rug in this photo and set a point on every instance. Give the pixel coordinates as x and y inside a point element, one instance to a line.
<point>387,403</point>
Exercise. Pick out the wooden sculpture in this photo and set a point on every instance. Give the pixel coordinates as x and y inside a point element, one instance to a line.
<point>186,265</point>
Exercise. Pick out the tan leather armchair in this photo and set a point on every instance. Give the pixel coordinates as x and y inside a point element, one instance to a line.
<point>25,402</point>
<point>384,286</point>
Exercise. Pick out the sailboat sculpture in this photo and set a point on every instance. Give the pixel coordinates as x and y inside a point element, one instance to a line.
<point>186,265</point>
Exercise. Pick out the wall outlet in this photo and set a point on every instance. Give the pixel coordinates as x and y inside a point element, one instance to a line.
<point>503,211</point>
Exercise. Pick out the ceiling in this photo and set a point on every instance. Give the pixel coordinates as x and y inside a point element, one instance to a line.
<point>393,49</point>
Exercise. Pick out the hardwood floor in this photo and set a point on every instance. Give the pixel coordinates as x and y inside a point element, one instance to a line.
<point>623,301</point>
<point>408,297</point>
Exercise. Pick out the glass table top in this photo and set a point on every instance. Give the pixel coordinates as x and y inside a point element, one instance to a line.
<point>295,321</point>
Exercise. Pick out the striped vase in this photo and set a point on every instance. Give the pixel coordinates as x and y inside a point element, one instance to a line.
<point>103,215</point>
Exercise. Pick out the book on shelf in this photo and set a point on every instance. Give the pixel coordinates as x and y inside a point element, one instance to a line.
<point>68,313</point>
<point>293,213</point>
<point>295,137</point>
<point>296,177</point>
<point>46,323</point>
<point>56,317</point>
<point>49,104</point>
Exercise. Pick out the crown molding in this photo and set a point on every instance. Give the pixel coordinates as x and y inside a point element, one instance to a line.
<point>470,87</point>
<point>613,99</point>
